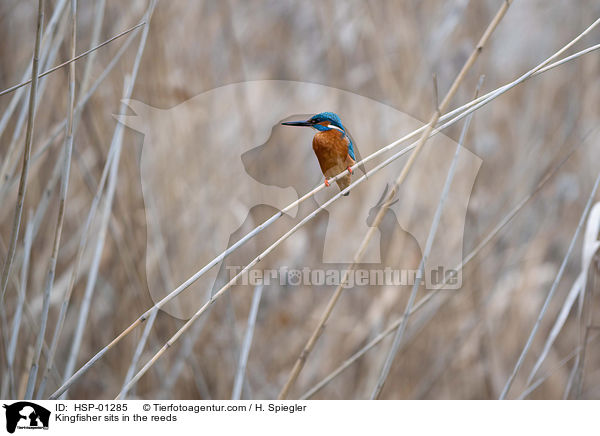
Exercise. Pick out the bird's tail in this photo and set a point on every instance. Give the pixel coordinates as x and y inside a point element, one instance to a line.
<point>343,183</point>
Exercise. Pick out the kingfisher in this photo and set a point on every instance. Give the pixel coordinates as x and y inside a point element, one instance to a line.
<point>332,145</point>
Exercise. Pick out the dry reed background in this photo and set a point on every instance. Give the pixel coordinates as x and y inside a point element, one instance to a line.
<point>462,345</point>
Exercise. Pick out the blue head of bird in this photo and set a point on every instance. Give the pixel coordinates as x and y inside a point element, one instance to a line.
<point>323,122</point>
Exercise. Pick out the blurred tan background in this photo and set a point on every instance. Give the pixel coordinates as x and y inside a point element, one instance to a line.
<point>462,345</point>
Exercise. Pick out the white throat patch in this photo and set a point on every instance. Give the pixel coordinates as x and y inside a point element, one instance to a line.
<point>331,126</point>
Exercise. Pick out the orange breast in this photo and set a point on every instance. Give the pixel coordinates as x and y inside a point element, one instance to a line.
<point>331,148</point>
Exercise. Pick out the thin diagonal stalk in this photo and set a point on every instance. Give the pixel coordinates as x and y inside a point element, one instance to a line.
<point>467,108</point>
<point>227,286</point>
<point>318,331</point>
<point>80,252</point>
<point>572,375</point>
<point>395,345</point>
<point>577,288</point>
<point>97,197</point>
<point>466,260</point>
<point>257,259</point>
<point>16,325</point>
<point>184,355</point>
<point>557,327</point>
<point>60,127</point>
<point>561,270</point>
<point>466,329</point>
<point>93,273</point>
<point>73,59</point>
<point>58,10</point>
<point>95,38</point>
<point>153,228</point>
<point>26,154</point>
<point>138,352</point>
<point>560,364</point>
<point>111,188</point>
<point>68,149</point>
<point>42,206</point>
<point>390,198</point>
<point>380,337</point>
<point>13,154</point>
<point>428,245</point>
<point>245,350</point>
<point>75,122</point>
<point>48,53</point>
<point>537,383</point>
<point>585,321</point>
<point>4,346</point>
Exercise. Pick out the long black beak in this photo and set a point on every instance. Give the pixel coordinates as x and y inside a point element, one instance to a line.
<point>297,123</point>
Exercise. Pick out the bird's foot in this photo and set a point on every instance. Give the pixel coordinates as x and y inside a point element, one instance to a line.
<point>326,182</point>
<point>350,170</point>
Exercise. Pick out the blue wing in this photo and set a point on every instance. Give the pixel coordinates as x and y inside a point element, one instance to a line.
<point>351,152</point>
<point>351,149</point>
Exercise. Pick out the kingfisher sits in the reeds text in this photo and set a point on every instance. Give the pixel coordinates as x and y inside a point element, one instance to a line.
<point>332,145</point>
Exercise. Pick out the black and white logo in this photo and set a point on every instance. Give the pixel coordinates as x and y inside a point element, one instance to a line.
<point>26,415</point>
